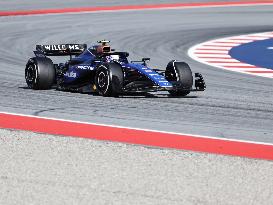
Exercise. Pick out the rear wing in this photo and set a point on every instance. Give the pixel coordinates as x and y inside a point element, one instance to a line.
<point>60,49</point>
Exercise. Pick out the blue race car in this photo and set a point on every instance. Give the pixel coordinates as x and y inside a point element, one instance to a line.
<point>106,72</point>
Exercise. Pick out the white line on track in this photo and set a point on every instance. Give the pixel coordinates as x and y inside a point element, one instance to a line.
<point>141,129</point>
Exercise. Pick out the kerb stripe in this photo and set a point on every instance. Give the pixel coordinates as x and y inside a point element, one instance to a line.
<point>137,136</point>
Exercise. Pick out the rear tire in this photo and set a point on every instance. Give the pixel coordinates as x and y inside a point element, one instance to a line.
<point>109,79</point>
<point>179,72</point>
<point>40,73</point>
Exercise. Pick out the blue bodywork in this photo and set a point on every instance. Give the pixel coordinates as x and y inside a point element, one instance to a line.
<point>151,74</point>
<point>86,63</point>
<point>100,69</point>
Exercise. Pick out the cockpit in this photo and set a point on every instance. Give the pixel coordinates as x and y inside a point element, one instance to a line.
<point>104,52</point>
<point>112,58</point>
<point>103,47</point>
<point>101,52</point>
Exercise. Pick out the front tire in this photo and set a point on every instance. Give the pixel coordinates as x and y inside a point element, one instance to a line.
<point>109,79</point>
<point>179,72</point>
<point>40,73</point>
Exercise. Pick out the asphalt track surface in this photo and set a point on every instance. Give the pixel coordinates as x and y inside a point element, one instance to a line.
<point>234,106</point>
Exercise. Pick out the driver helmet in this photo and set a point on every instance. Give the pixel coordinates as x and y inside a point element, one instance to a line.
<point>104,47</point>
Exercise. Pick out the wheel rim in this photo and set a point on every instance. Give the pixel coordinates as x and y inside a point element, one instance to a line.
<point>171,75</point>
<point>30,74</point>
<point>103,81</point>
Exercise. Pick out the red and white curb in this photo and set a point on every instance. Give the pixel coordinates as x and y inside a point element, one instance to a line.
<point>129,135</point>
<point>216,53</point>
<point>137,7</point>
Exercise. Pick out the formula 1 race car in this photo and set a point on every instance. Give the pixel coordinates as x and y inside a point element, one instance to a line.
<point>106,72</point>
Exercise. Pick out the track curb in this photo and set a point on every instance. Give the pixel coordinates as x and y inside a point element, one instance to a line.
<point>137,136</point>
<point>134,7</point>
<point>216,53</point>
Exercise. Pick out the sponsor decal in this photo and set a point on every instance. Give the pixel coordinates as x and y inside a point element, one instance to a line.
<point>85,67</point>
<point>148,71</point>
<point>55,47</point>
<point>159,78</point>
<point>112,58</point>
<point>61,47</point>
<point>73,47</point>
<point>70,74</point>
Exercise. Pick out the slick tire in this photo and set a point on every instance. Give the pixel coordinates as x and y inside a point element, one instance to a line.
<point>109,80</point>
<point>40,73</point>
<point>179,72</point>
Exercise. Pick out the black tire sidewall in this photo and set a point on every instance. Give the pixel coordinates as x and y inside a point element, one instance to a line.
<point>182,73</point>
<point>115,79</point>
<point>44,73</point>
